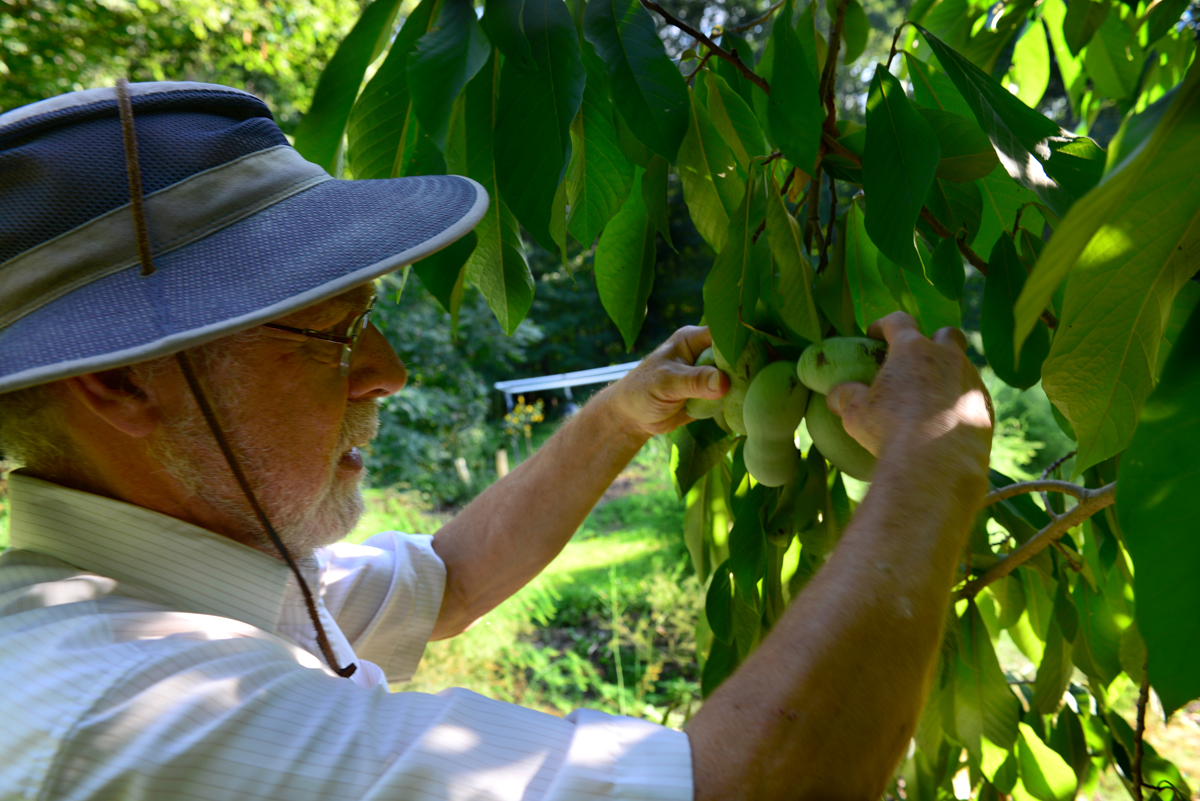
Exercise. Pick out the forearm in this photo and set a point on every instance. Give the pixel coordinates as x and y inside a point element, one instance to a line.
<point>826,706</point>
<point>507,535</point>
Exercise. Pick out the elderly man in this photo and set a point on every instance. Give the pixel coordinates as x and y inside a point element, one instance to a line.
<point>187,372</point>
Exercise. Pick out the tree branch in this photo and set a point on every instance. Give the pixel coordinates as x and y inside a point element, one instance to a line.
<point>1139,736</point>
<point>1039,485</point>
<point>714,48</point>
<point>1090,502</point>
<point>691,79</point>
<point>829,74</point>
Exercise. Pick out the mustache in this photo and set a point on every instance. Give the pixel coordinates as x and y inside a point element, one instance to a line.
<point>359,425</point>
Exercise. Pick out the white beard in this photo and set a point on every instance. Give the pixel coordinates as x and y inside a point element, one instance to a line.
<point>303,520</point>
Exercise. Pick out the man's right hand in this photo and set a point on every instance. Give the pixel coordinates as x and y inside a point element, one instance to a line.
<point>927,395</point>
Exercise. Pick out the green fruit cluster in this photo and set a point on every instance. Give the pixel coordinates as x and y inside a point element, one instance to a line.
<point>774,406</point>
<point>821,368</point>
<point>754,358</point>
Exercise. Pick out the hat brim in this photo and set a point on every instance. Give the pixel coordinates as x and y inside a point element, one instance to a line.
<point>304,249</point>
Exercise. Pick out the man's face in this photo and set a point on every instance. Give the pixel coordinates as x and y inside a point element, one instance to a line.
<point>294,422</point>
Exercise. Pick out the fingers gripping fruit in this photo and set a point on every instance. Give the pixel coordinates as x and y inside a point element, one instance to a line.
<point>704,408</point>
<point>754,358</point>
<point>838,360</point>
<point>831,439</point>
<point>774,407</point>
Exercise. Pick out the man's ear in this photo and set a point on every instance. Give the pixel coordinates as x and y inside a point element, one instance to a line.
<point>116,397</point>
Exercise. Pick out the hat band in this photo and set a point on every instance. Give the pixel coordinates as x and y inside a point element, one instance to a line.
<point>177,215</point>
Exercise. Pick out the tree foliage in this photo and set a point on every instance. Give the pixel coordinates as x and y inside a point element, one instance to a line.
<point>962,154</point>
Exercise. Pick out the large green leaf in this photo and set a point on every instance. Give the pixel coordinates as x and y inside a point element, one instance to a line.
<point>444,272</point>
<point>899,162</point>
<point>625,264</point>
<point>946,270</point>
<point>646,85</point>
<point>1156,507</point>
<point>319,134</point>
<point>1083,18</point>
<point>1045,774</point>
<point>654,194</point>
<point>505,25</point>
<point>532,135</point>
<point>794,106</point>
<point>1001,199</point>
<point>442,62</point>
<point>598,176</point>
<point>734,120</point>
<point>930,308</point>
<point>498,265</point>
<point>872,298</point>
<point>957,206</point>
<point>1055,164</point>
<point>1030,69</point>
<point>1187,300</point>
<point>1053,673</point>
<point>732,287</point>
<point>1005,278</point>
<point>712,186</point>
<point>1070,66</point>
<point>989,41</point>
<point>984,707</point>
<point>696,449</point>
<point>1114,59</point>
<point>381,127</point>
<point>1132,243</point>
<point>1097,644</point>
<point>793,294</point>
<point>933,89</point>
<point>966,152</point>
<point>856,28</point>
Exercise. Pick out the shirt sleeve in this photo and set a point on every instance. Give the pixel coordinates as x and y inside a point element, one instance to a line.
<point>385,595</point>
<point>239,718</point>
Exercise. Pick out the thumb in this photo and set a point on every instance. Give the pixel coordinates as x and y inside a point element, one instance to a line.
<point>709,382</point>
<point>844,397</point>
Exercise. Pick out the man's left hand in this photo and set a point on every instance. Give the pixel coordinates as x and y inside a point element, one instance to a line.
<point>651,397</point>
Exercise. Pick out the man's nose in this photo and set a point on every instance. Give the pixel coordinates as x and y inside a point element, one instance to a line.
<point>375,369</point>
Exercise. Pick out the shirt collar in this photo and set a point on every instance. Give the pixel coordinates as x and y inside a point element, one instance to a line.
<point>192,569</point>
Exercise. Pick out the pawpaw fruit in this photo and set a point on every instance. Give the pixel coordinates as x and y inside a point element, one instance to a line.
<point>830,438</point>
<point>754,357</point>
<point>838,360</point>
<point>774,407</point>
<point>704,408</point>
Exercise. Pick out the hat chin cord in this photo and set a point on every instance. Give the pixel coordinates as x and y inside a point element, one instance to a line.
<point>189,374</point>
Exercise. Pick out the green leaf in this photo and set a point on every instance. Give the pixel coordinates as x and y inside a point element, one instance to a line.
<point>1187,300</point>
<point>946,270</point>
<point>934,90</point>
<point>625,264</point>
<point>732,287</point>
<point>918,297</point>
<point>442,62</point>
<point>1164,17</point>
<point>794,107</point>
<point>1068,739</point>
<point>735,121</point>
<point>831,289</point>
<point>747,556</point>
<point>378,133</point>
<point>731,74</point>
<point>1069,65</point>
<point>1136,130</point>
<point>956,206</point>
<point>532,135</point>
<point>1005,279</point>
<point>984,707</point>
<point>856,28</point>
<point>899,161</point>
<point>1097,646</point>
<point>319,134</point>
<point>1055,164</point>
<point>987,43</point>
<point>599,176</point>
<point>696,448</point>
<point>794,294</point>
<point>966,152</point>
<point>720,663</point>
<point>1044,773</point>
<point>505,25</point>
<point>646,85</point>
<point>1155,500</point>
<point>443,273</point>
<point>1130,245</point>
<point>718,604</point>
<point>1002,198</point>
<point>1053,673</point>
<point>872,298</point>
<point>1082,20</point>
<point>1114,59</point>
<point>498,265</point>
<point>712,187</point>
<point>1030,69</point>
<point>654,195</point>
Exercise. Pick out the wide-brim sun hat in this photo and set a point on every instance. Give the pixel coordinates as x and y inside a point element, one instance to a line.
<point>242,228</point>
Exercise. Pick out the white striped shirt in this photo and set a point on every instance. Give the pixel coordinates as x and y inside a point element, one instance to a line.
<point>145,658</point>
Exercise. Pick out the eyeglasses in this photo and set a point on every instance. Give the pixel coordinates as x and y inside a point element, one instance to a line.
<point>357,326</point>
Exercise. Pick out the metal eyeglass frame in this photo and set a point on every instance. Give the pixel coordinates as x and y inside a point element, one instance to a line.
<point>357,326</point>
